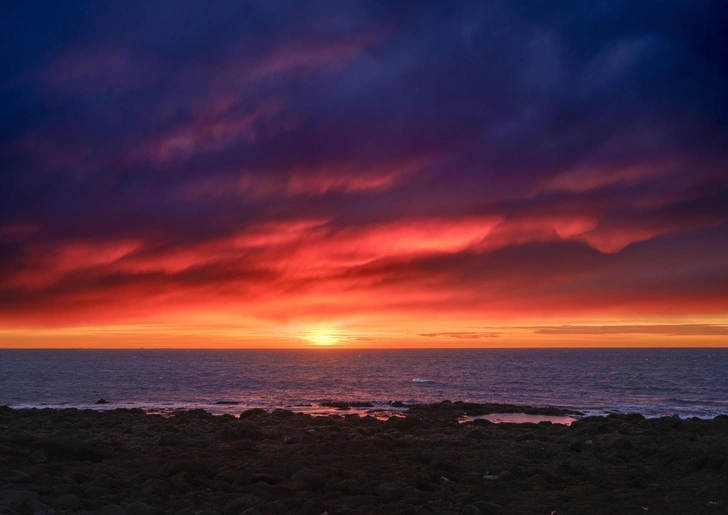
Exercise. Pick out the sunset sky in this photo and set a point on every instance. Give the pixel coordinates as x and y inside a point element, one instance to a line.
<point>364,174</point>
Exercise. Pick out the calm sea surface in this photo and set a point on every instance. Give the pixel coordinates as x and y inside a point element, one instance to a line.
<point>654,382</point>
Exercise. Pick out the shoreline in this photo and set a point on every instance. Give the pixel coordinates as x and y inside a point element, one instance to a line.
<point>425,461</point>
<point>379,409</point>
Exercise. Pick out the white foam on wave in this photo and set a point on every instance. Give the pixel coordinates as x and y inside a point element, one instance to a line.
<point>423,381</point>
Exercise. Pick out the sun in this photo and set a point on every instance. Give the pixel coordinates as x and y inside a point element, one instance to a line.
<point>323,337</point>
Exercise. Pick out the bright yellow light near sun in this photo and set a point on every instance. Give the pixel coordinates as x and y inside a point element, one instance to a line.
<point>323,337</point>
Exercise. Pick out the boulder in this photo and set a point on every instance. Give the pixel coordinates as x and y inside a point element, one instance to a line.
<point>315,481</point>
<point>71,450</point>
<point>38,456</point>
<point>194,468</point>
<point>389,491</point>
<point>134,508</point>
<point>313,507</point>
<point>66,502</point>
<point>622,444</point>
<point>506,476</point>
<point>240,504</point>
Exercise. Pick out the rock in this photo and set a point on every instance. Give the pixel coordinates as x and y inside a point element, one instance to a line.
<point>71,450</point>
<point>315,481</point>
<point>422,482</point>
<point>276,507</point>
<point>194,497</point>
<point>134,508</point>
<point>402,423</point>
<point>17,495</point>
<point>66,502</point>
<point>470,509</point>
<point>187,511</point>
<point>48,480</point>
<point>194,468</point>
<point>270,479</point>
<point>38,456</point>
<point>249,511</point>
<point>193,414</point>
<point>64,489</point>
<point>252,413</point>
<point>580,445</point>
<point>389,491</point>
<point>343,405</point>
<point>622,444</point>
<point>396,404</point>
<point>94,492</point>
<point>110,509</point>
<point>461,498</point>
<point>150,511</point>
<point>99,478</point>
<point>240,504</point>
<point>313,507</point>
<point>101,401</point>
<point>29,505</point>
<point>506,476</point>
<point>410,492</point>
<point>490,477</point>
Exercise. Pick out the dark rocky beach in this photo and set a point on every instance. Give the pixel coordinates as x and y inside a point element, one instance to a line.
<point>424,461</point>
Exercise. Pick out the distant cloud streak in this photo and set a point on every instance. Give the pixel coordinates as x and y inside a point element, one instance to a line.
<point>666,330</point>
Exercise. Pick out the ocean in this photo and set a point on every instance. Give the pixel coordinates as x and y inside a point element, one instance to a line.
<point>654,382</point>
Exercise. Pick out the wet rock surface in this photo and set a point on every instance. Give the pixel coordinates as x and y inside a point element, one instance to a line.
<point>424,462</point>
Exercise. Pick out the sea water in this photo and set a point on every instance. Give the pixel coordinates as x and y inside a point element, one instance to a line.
<point>654,382</point>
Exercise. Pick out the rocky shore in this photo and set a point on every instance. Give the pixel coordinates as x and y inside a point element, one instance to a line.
<point>425,461</point>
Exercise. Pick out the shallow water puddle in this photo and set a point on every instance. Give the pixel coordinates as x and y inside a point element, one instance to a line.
<point>519,418</point>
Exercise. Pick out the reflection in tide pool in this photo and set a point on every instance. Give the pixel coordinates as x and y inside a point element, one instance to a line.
<point>520,418</point>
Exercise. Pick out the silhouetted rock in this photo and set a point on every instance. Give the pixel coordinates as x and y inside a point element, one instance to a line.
<point>315,481</point>
<point>71,450</point>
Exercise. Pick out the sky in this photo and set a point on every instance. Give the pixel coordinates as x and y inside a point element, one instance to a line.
<point>364,174</point>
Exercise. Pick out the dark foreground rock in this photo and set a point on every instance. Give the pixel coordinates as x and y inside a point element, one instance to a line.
<point>426,462</point>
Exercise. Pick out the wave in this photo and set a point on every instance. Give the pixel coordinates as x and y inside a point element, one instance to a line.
<point>423,381</point>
